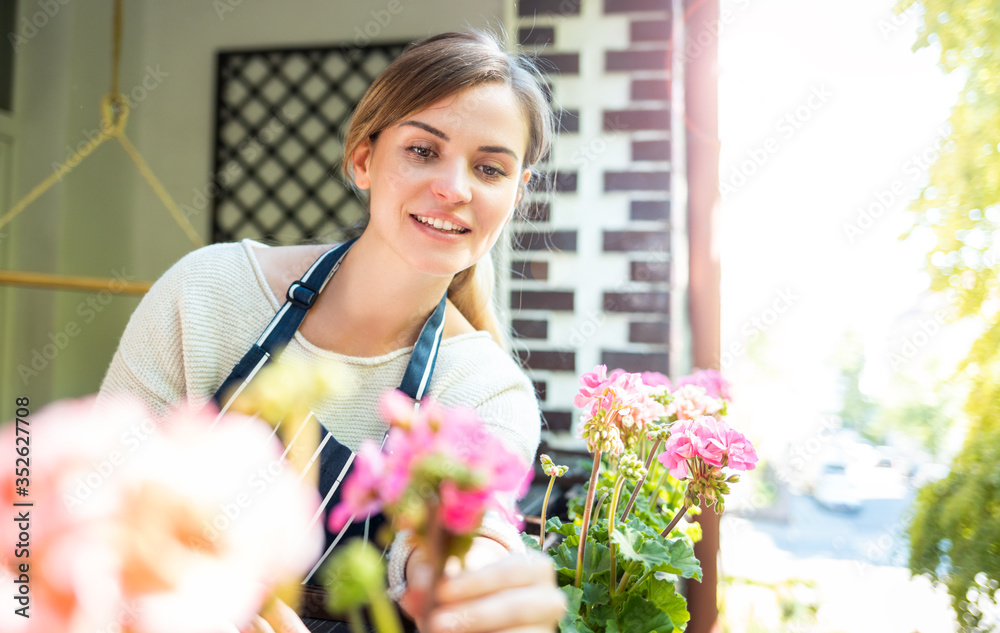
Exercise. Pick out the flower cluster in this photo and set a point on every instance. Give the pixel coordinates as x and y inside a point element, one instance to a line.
<point>619,407</point>
<point>692,401</point>
<point>711,381</point>
<point>701,448</point>
<point>151,525</point>
<point>434,458</point>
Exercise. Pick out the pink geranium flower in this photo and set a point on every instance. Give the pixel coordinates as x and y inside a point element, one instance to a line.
<point>711,380</point>
<point>434,457</point>
<point>692,401</point>
<point>655,379</point>
<point>707,439</point>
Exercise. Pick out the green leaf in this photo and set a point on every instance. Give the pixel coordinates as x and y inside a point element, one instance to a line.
<point>664,595</point>
<point>682,559</point>
<point>595,593</point>
<point>555,525</point>
<point>642,616</point>
<point>656,554</point>
<point>530,541</point>
<point>629,540</point>
<point>596,560</point>
<point>573,622</point>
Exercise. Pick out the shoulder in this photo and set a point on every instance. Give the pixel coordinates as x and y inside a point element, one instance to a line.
<point>281,265</point>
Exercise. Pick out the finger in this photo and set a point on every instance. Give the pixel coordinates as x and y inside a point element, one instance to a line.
<point>283,618</point>
<point>260,625</point>
<point>514,571</point>
<point>525,607</point>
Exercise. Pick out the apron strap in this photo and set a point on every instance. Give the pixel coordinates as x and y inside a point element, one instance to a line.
<point>301,296</point>
<point>335,459</point>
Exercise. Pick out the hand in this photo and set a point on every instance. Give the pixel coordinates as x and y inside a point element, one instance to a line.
<point>498,592</point>
<point>277,617</point>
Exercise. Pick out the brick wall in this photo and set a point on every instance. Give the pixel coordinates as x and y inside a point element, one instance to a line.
<point>592,269</point>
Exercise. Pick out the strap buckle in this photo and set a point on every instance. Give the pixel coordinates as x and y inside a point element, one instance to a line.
<point>301,295</point>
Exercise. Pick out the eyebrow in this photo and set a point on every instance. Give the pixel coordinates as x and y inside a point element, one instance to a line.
<point>492,149</point>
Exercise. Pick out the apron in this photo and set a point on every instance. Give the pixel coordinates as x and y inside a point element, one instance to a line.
<point>334,459</point>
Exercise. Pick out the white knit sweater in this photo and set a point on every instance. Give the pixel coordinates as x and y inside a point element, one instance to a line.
<point>206,311</point>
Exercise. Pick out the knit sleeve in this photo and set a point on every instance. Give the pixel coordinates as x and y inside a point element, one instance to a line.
<point>148,363</point>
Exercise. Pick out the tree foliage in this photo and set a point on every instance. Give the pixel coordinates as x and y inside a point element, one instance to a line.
<point>955,534</point>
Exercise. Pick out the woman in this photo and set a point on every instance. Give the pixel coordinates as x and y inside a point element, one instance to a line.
<point>441,148</point>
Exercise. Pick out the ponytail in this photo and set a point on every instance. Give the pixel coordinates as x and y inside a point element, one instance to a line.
<point>471,291</point>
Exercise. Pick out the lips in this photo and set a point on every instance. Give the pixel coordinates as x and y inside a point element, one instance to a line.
<point>445,226</point>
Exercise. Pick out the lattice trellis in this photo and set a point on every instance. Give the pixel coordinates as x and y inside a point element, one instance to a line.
<point>278,128</point>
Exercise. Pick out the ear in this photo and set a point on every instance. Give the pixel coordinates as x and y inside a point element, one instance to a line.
<point>360,162</point>
<point>525,177</point>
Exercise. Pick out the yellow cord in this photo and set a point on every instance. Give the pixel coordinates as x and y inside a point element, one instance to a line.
<point>114,114</point>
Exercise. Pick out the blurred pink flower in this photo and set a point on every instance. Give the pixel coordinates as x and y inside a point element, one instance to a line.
<point>157,525</point>
<point>361,494</point>
<point>655,379</point>
<point>692,401</point>
<point>461,511</point>
<point>443,452</point>
<point>715,385</point>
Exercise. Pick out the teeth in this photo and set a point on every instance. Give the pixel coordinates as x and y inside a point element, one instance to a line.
<point>441,225</point>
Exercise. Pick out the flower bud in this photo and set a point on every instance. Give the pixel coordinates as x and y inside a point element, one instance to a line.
<point>631,466</point>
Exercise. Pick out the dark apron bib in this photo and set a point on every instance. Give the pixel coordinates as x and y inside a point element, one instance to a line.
<point>335,459</point>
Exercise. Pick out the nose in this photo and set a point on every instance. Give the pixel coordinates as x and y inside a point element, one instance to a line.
<point>452,182</point>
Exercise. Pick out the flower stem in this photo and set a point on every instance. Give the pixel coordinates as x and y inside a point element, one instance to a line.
<point>597,508</point>
<point>586,518</point>
<point>354,618</point>
<point>545,505</point>
<point>611,529</point>
<point>625,578</point>
<point>673,521</point>
<point>642,480</point>
<point>384,615</point>
<point>656,489</point>
<point>437,550</point>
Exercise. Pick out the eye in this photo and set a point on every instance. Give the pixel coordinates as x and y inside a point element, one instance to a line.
<point>420,151</point>
<point>493,173</point>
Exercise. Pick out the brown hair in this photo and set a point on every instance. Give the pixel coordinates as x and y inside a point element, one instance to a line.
<point>427,71</point>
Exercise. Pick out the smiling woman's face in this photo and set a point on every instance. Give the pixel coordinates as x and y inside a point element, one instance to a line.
<point>444,181</point>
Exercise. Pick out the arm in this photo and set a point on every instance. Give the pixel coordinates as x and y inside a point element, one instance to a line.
<point>148,363</point>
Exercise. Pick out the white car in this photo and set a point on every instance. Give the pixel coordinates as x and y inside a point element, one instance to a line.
<point>836,490</point>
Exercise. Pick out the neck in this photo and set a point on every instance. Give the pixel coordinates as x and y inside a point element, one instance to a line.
<point>378,302</point>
